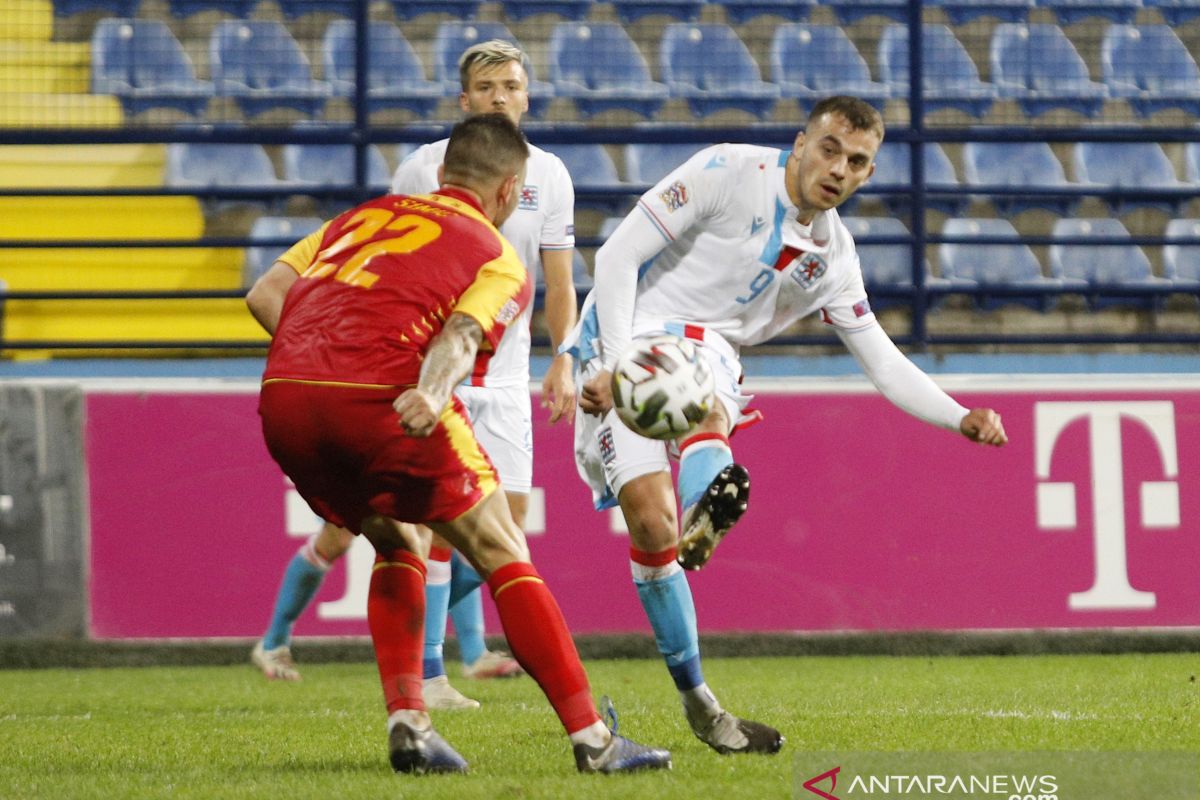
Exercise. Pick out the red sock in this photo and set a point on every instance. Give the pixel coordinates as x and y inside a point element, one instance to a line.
<point>396,616</point>
<point>541,643</point>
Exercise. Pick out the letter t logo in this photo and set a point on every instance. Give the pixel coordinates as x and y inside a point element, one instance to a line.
<point>1159,499</point>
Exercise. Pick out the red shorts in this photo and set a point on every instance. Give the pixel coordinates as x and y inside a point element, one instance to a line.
<point>344,449</point>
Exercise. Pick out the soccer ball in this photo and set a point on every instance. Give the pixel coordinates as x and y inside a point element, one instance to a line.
<point>662,387</point>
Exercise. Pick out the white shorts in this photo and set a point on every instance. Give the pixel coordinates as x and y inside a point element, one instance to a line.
<point>608,455</point>
<point>503,421</point>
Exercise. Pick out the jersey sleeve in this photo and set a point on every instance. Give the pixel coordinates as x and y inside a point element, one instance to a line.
<point>301,255</point>
<point>850,310</point>
<point>692,191</point>
<point>498,295</point>
<point>558,228</point>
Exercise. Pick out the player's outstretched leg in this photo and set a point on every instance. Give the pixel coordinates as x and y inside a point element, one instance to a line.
<point>716,512</point>
<point>272,654</point>
<point>436,688</point>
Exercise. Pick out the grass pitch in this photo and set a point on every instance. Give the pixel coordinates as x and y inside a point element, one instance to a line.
<point>224,732</point>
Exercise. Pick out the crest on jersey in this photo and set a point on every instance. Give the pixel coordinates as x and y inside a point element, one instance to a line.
<point>675,196</point>
<point>608,450</point>
<point>508,312</point>
<point>861,308</point>
<point>809,268</point>
<point>529,198</point>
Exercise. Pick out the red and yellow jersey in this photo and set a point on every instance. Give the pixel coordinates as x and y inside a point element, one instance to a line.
<point>378,282</point>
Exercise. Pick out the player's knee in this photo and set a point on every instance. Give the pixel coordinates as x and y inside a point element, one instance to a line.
<point>333,542</point>
<point>652,526</point>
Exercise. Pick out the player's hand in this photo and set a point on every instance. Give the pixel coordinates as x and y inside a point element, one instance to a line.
<point>983,425</point>
<point>558,389</point>
<point>596,398</point>
<point>419,412</point>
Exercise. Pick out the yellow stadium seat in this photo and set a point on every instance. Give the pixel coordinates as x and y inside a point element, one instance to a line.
<point>60,111</point>
<point>172,217</point>
<point>82,165</point>
<point>45,67</point>
<point>26,20</point>
<point>224,319</point>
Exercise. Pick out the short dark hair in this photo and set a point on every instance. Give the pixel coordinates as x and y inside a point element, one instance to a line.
<point>861,115</point>
<point>484,149</point>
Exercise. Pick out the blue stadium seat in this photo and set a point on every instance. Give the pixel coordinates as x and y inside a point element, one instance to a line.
<point>261,67</point>
<point>893,169</point>
<point>517,10</point>
<point>1191,162</point>
<point>458,9</point>
<point>591,167</point>
<point>980,266</point>
<point>235,8</point>
<point>259,259</point>
<point>851,11</point>
<point>1181,262</point>
<point>202,167</point>
<point>1038,66</point>
<point>395,76</point>
<point>810,62</point>
<point>294,9</point>
<point>647,164</point>
<point>1128,165</point>
<point>453,37</point>
<point>120,8</point>
<point>1150,68</point>
<point>960,12</point>
<point>951,79</point>
<point>1069,12</point>
<point>599,67</point>
<point>885,266</point>
<point>1175,12</point>
<point>1017,165</point>
<point>1094,265</point>
<point>739,12</point>
<point>142,63</point>
<point>710,67</point>
<point>629,11</point>
<point>333,165</point>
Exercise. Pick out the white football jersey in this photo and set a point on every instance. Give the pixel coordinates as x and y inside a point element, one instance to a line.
<point>544,220</point>
<point>733,258</point>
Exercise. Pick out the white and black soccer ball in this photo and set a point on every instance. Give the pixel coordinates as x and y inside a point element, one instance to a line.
<point>662,387</point>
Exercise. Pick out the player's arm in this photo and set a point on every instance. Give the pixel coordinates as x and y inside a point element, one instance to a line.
<point>910,389</point>
<point>266,296</point>
<point>448,360</point>
<point>558,385</point>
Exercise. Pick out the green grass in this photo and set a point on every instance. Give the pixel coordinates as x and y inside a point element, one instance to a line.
<point>223,732</point>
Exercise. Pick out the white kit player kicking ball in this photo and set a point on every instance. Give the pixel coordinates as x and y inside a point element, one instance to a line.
<point>542,232</point>
<point>728,250</point>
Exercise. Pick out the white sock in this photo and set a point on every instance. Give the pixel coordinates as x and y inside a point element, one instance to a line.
<point>417,720</point>
<point>699,703</point>
<point>594,735</point>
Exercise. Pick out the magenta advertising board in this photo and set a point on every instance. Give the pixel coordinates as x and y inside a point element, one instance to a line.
<point>861,517</point>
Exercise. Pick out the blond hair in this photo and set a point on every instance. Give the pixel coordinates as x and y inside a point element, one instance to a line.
<point>488,54</point>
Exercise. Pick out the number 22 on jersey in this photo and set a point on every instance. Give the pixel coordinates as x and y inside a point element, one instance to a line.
<point>364,238</point>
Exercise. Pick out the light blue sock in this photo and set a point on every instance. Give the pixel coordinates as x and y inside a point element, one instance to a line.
<point>437,598</point>
<point>700,460</point>
<point>300,582</point>
<point>466,609</point>
<point>667,599</point>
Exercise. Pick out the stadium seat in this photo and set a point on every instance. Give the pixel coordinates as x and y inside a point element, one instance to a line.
<point>973,265</point>
<point>458,9</point>
<point>1191,162</point>
<point>851,11</point>
<point>886,267</point>
<point>1069,12</point>
<point>1181,262</point>
<point>235,8</point>
<point>647,164</point>
<point>1038,66</point>
<point>580,275</point>
<point>591,168</point>
<point>261,67</point>
<point>220,166</point>
<point>142,63</point>
<point>1116,264</point>
<point>1130,166</point>
<point>810,62</point>
<point>630,11</point>
<point>893,169</point>
<point>739,12</point>
<point>294,9</point>
<point>259,259</point>
<point>395,76</point>
<point>960,12</point>
<point>453,37</point>
<point>120,8</point>
<point>517,10</point>
<point>710,67</point>
<point>1150,68</point>
<point>1175,12</point>
<point>599,67</point>
<point>951,79</point>
<point>1017,165</point>
<point>333,165</point>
